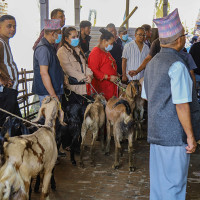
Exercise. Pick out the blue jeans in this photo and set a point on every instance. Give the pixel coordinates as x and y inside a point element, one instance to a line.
<point>41,97</point>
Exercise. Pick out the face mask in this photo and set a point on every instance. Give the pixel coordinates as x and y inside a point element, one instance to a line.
<point>125,37</point>
<point>109,47</point>
<point>75,42</point>
<point>59,38</point>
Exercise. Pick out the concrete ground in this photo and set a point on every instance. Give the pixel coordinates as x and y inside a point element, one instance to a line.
<point>103,183</point>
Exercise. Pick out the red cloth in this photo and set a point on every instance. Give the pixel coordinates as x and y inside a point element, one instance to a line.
<point>102,63</point>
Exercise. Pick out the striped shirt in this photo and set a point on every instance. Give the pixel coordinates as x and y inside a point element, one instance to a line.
<point>8,68</point>
<point>134,58</point>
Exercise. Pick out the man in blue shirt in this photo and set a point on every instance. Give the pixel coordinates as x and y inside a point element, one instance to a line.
<point>48,74</point>
<point>173,113</point>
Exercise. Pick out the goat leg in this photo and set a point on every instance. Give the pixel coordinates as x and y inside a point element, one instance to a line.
<point>83,135</point>
<point>117,148</point>
<point>102,137</point>
<point>45,185</point>
<point>95,134</point>
<point>116,163</point>
<point>130,152</point>
<point>37,184</point>
<point>53,182</point>
<point>108,138</point>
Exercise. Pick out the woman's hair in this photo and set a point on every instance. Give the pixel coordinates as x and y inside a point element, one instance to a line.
<point>66,32</point>
<point>106,35</point>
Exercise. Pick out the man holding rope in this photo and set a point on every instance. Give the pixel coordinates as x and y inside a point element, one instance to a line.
<point>8,69</point>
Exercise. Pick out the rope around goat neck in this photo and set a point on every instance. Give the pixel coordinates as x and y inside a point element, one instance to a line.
<point>34,124</point>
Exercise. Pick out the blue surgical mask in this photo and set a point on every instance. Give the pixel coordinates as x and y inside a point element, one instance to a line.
<point>109,47</point>
<point>59,38</point>
<point>125,37</point>
<point>75,42</point>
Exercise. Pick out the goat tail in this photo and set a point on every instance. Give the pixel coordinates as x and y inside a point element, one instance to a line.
<point>10,181</point>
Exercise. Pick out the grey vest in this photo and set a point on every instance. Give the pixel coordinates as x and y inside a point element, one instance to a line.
<point>164,127</point>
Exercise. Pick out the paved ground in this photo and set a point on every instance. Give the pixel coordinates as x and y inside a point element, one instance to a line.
<point>104,183</point>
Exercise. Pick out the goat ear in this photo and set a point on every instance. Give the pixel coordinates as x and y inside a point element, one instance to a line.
<point>61,117</point>
<point>46,100</point>
<point>128,90</point>
<point>39,115</point>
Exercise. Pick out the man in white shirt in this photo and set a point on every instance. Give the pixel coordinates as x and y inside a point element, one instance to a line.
<point>133,55</point>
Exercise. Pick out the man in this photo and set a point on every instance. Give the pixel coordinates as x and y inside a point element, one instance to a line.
<point>55,14</point>
<point>48,74</point>
<point>195,52</point>
<point>148,33</point>
<point>123,35</point>
<point>173,113</point>
<point>155,48</point>
<point>133,55</point>
<point>85,28</point>
<point>8,69</point>
<point>116,51</point>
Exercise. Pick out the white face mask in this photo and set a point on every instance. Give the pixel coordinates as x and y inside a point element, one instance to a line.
<point>109,47</point>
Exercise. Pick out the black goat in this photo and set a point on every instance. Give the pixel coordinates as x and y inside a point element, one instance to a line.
<point>71,134</point>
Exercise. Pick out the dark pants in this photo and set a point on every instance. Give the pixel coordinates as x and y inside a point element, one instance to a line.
<point>8,102</point>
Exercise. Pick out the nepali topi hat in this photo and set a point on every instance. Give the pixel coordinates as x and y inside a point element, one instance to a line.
<point>52,24</point>
<point>169,27</point>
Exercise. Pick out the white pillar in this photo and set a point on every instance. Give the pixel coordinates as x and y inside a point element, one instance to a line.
<point>165,7</point>
<point>44,12</point>
<point>77,12</point>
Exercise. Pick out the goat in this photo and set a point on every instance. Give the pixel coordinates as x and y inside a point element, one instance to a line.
<point>120,119</point>
<point>28,155</point>
<point>139,111</point>
<point>94,121</point>
<point>71,134</point>
<point>15,127</point>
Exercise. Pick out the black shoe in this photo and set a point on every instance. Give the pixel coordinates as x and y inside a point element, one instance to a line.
<point>61,154</point>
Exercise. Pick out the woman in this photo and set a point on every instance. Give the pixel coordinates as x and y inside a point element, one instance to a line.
<point>103,66</point>
<point>74,65</point>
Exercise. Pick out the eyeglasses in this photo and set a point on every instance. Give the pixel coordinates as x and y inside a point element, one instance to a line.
<point>140,35</point>
<point>182,36</point>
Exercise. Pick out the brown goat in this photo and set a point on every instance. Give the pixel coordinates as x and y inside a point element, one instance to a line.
<point>119,114</point>
<point>28,155</point>
<point>94,121</point>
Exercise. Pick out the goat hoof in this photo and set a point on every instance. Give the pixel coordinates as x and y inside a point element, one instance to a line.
<point>115,166</point>
<point>132,169</point>
<point>53,187</point>
<point>81,165</point>
<point>73,162</point>
<point>107,153</point>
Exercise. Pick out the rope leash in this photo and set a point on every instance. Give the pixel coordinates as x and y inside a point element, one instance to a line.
<point>66,97</point>
<point>93,88</point>
<point>34,124</point>
<point>119,84</point>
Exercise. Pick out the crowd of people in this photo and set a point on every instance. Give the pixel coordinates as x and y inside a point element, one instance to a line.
<point>64,65</point>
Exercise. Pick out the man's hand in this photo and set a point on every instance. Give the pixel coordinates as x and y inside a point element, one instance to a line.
<point>133,73</point>
<point>124,78</point>
<point>191,145</point>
